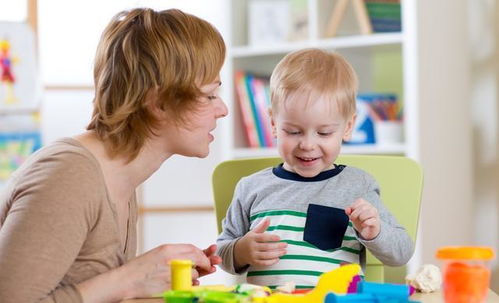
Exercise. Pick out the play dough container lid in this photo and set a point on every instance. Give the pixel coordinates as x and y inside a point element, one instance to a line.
<point>465,253</point>
<point>181,262</point>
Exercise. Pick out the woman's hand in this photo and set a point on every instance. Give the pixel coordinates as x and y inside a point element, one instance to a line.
<point>365,218</point>
<point>150,273</point>
<point>147,274</point>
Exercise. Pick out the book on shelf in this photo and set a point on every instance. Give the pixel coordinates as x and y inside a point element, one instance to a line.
<point>254,102</point>
<point>249,80</point>
<point>248,122</point>
<point>262,102</point>
<point>385,15</point>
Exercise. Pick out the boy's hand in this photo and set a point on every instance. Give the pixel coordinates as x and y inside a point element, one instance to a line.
<point>365,218</point>
<point>214,260</point>
<point>258,248</point>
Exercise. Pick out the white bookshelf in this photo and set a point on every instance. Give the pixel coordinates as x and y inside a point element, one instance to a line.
<point>338,43</point>
<point>361,50</point>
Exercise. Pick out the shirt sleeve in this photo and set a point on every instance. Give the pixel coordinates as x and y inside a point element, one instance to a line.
<point>45,229</point>
<point>234,226</point>
<point>392,245</point>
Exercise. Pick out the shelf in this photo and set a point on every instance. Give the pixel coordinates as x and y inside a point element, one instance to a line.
<point>330,43</point>
<point>371,149</point>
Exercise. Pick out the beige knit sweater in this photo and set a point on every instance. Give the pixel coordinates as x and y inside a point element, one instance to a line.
<point>58,227</point>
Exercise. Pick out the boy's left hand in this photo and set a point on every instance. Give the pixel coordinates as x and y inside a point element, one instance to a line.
<point>365,218</point>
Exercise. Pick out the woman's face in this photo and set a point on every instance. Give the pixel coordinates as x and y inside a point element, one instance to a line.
<point>194,137</point>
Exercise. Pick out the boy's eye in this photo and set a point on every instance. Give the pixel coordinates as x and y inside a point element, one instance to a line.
<point>325,134</point>
<point>291,132</point>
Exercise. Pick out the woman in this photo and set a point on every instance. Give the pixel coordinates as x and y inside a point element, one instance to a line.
<point>68,215</point>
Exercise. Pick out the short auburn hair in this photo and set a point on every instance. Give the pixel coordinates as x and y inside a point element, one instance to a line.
<point>169,53</point>
<point>316,73</point>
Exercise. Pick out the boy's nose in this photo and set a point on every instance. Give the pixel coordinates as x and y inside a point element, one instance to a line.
<point>307,143</point>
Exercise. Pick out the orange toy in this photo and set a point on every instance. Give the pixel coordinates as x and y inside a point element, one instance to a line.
<point>466,274</point>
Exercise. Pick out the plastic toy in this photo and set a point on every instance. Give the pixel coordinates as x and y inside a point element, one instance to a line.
<point>337,281</point>
<point>384,289</point>
<point>181,274</point>
<point>369,292</point>
<point>340,285</point>
<point>466,272</point>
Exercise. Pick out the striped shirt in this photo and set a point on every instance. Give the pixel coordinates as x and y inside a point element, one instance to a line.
<point>303,262</point>
<point>288,201</point>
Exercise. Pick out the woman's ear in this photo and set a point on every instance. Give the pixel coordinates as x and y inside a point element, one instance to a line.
<point>272,123</point>
<point>347,135</point>
<point>152,104</point>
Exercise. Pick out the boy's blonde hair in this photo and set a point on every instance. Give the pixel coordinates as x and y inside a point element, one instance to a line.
<point>142,52</point>
<point>315,73</point>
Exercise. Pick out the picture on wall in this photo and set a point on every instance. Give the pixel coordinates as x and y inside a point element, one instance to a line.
<point>269,21</point>
<point>18,73</point>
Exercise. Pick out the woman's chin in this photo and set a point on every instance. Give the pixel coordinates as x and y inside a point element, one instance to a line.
<point>197,153</point>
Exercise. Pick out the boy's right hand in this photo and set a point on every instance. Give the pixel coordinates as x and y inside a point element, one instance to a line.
<point>258,248</point>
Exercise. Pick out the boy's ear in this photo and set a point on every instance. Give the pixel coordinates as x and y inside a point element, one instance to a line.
<point>272,123</point>
<point>349,128</point>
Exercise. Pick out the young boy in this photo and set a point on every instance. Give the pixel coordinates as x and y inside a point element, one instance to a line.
<point>308,215</point>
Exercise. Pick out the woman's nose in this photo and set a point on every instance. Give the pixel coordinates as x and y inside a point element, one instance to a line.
<point>222,109</point>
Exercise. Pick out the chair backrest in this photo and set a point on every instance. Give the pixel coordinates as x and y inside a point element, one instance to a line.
<point>400,180</point>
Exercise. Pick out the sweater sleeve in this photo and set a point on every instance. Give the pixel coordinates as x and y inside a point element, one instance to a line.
<point>45,228</point>
<point>392,246</point>
<point>235,225</point>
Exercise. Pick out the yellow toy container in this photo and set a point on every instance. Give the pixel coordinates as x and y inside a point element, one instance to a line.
<point>181,274</point>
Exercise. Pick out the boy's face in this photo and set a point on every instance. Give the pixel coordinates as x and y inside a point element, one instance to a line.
<point>309,134</point>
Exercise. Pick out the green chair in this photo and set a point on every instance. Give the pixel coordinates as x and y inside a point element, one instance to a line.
<point>400,180</point>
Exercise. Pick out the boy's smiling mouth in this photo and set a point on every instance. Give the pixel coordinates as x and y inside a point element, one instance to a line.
<point>307,159</point>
